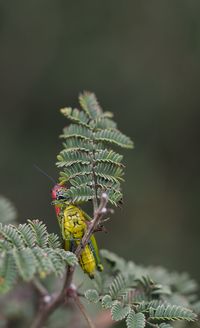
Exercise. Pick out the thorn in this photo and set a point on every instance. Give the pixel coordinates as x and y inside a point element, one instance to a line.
<point>73,286</point>
<point>104,210</point>
<point>47,299</point>
<point>104,196</point>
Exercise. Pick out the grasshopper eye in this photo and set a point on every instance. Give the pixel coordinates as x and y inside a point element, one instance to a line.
<point>59,195</point>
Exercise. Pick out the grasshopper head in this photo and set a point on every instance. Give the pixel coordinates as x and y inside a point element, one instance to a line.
<point>57,192</point>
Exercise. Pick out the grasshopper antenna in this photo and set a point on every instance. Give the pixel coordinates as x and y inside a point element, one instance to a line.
<point>44,173</point>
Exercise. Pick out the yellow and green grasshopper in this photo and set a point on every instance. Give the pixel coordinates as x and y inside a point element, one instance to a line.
<point>73,224</point>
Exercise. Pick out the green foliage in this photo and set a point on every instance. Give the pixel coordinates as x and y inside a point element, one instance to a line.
<point>87,162</point>
<point>117,287</point>
<point>107,302</point>
<point>171,312</point>
<point>145,296</point>
<point>92,295</point>
<point>8,212</point>
<point>135,320</point>
<point>29,250</point>
<point>83,193</point>
<point>119,311</point>
<point>8,272</point>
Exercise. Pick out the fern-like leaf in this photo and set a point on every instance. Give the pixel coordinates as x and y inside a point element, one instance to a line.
<point>76,170</point>
<point>27,235</point>
<point>75,116</point>
<point>55,262</point>
<point>109,156</point>
<point>135,320</point>
<point>69,257</point>
<point>53,241</point>
<point>87,159</point>
<point>90,105</point>
<point>82,180</point>
<point>171,312</point>
<point>30,250</point>
<point>114,196</point>
<point>40,232</point>
<point>119,312</point>
<point>8,212</point>
<point>76,144</point>
<point>25,263</point>
<point>114,137</point>
<point>109,172</point>
<point>103,123</point>
<point>107,302</point>
<point>78,194</point>
<point>8,272</point>
<point>67,158</point>
<point>92,295</point>
<point>106,185</point>
<point>9,233</point>
<point>117,286</point>
<point>44,265</point>
<point>74,130</point>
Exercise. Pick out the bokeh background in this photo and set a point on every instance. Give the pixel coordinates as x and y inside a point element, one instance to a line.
<point>142,59</point>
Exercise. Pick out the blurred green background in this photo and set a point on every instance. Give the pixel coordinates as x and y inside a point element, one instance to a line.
<point>142,59</point>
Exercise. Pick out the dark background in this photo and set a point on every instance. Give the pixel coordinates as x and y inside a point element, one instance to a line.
<point>142,60</point>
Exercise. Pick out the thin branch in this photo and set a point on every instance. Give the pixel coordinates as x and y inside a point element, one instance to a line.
<point>95,199</point>
<point>42,291</point>
<point>47,309</point>
<point>84,313</point>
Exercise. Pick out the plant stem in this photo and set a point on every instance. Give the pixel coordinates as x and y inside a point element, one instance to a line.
<point>95,199</point>
<point>40,288</point>
<point>84,313</point>
<point>46,309</point>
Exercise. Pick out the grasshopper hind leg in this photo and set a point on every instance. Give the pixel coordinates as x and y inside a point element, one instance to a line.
<point>93,246</point>
<point>70,245</point>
